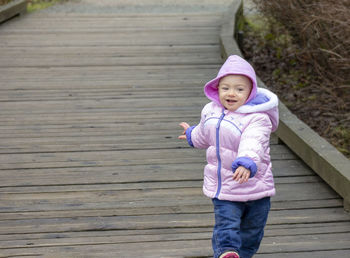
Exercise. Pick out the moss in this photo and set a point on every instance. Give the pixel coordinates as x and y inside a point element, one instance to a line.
<point>34,5</point>
<point>341,132</point>
<point>3,2</point>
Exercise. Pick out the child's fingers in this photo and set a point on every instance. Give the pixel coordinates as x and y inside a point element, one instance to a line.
<point>238,174</point>
<point>182,137</point>
<point>241,175</point>
<point>244,177</point>
<point>184,125</point>
<point>235,175</point>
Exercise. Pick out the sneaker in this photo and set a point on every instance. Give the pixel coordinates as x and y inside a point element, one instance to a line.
<point>229,255</point>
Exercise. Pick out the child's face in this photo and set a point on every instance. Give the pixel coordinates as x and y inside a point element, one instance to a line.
<point>234,90</point>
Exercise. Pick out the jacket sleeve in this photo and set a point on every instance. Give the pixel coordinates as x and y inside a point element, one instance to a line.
<point>195,135</point>
<point>255,142</point>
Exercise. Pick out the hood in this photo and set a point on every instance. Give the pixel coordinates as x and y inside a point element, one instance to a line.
<point>233,65</point>
<point>260,100</point>
<point>264,102</point>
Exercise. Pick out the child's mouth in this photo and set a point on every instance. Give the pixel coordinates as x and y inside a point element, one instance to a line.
<point>231,101</point>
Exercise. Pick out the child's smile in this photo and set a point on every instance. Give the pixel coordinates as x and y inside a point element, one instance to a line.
<point>234,90</point>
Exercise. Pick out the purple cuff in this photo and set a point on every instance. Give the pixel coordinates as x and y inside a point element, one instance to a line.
<point>246,162</point>
<point>188,135</point>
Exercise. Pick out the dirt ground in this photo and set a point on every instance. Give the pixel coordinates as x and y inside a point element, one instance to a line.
<point>325,111</point>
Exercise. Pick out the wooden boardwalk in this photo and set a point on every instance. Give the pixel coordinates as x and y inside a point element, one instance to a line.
<point>90,164</point>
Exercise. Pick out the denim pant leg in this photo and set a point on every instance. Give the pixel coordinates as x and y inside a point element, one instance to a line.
<point>226,235</point>
<point>252,226</point>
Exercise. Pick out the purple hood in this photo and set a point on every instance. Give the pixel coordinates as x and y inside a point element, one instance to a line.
<point>259,100</point>
<point>233,65</point>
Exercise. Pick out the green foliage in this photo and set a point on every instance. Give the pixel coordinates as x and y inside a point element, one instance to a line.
<point>276,73</point>
<point>34,5</point>
<point>258,25</point>
<point>3,2</point>
<point>341,132</point>
<point>268,29</point>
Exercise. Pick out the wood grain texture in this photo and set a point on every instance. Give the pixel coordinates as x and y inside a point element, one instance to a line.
<point>90,163</point>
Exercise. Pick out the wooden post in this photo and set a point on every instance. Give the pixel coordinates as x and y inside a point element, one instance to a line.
<point>346,204</point>
<point>12,9</point>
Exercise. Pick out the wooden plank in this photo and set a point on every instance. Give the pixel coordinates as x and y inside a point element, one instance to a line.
<point>102,40</point>
<point>305,229</point>
<point>187,206</point>
<point>17,84</point>
<point>180,248</point>
<point>183,189</point>
<point>114,117</point>
<point>103,143</point>
<point>61,239</point>
<point>100,129</point>
<point>306,243</point>
<point>167,130</point>
<point>129,105</point>
<point>77,179</point>
<point>83,22</point>
<point>148,21</point>
<point>84,182</point>
<point>92,238</point>
<point>108,158</point>
<point>271,230</point>
<point>310,254</point>
<point>90,164</point>
<point>112,199</point>
<point>286,244</point>
<point>140,222</point>
<point>112,28</point>
<point>139,51</point>
<point>15,96</point>
<point>129,174</point>
<point>63,60</point>
<point>71,85</point>
<point>130,15</point>
<point>115,75</point>
<point>201,204</point>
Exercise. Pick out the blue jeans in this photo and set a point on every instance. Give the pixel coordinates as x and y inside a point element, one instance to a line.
<point>239,226</point>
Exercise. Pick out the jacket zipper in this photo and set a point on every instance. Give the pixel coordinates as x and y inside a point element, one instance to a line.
<point>218,153</point>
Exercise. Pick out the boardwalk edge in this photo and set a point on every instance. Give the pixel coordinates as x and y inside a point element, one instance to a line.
<point>14,8</point>
<point>331,165</point>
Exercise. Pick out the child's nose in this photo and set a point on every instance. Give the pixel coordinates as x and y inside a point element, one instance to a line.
<point>231,92</point>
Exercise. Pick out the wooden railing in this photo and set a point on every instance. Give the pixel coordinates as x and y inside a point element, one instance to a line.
<point>12,9</point>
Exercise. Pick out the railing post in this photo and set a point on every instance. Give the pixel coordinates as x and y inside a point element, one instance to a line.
<point>12,9</point>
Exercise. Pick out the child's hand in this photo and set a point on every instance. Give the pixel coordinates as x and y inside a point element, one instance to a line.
<point>241,174</point>
<point>185,126</point>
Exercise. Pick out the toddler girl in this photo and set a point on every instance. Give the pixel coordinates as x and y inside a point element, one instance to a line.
<point>235,129</point>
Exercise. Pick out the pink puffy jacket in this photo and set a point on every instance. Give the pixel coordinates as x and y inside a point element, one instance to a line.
<point>239,138</point>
